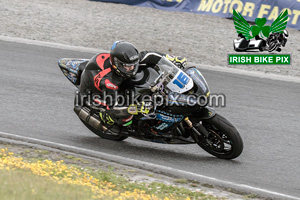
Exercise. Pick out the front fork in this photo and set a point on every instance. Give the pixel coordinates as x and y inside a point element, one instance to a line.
<point>201,128</point>
<point>205,113</point>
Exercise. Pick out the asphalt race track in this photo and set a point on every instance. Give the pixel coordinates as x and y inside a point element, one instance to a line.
<point>37,102</point>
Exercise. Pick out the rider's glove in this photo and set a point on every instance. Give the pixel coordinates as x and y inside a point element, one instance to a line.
<point>140,108</point>
<point>177,60</point>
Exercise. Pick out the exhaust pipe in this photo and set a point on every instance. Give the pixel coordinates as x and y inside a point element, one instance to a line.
<point>84,114</point>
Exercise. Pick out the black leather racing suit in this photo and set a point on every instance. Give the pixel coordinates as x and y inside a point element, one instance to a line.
<point>98,78</point>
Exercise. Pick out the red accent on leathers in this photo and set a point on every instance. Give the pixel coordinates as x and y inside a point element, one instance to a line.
<point>101,103</point>
<point>99,76</point>
<point>101,58</point>
<point>110,85</point>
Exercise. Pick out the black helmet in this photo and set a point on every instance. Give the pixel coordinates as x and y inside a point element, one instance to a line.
<point>124,58</point>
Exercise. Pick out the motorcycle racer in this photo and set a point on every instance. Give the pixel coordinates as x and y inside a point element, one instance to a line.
<point>277,40</point>
<point>105,72</point>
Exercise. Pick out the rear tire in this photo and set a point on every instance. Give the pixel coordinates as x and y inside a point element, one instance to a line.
<point>105,135</point>
<point>224,140</point>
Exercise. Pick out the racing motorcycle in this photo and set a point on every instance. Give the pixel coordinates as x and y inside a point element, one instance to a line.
<point>178,119</point>
<point>276,40</point>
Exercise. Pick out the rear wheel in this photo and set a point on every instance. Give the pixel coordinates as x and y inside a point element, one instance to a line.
<point>109,135</point>
<point>223,141</point>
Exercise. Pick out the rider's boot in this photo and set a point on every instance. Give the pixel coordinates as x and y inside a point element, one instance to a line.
<point>109,123</point>
<point>117,126</point>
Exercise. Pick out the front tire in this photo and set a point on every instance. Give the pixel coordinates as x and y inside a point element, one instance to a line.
<point>224,141</point>
<point>262,45</point>
<point>119,137</point>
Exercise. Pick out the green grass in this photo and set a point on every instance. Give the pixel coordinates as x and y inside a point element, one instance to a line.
<point>250,196</point>
<point>180,180</point>
<point>150,175</point>
<point>45,152</point>
<point>159,189</point>
<point>23,185</point>
<point>73,158</point>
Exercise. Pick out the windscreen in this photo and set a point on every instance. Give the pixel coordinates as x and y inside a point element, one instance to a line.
<point>172,77</point>
<point>167,67</point>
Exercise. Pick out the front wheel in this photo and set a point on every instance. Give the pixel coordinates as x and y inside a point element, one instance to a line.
<point>223,140</point>
<point>262,45</point>
<point>109,136</point>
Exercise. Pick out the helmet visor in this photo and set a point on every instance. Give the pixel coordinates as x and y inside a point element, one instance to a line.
<point>126,68</point>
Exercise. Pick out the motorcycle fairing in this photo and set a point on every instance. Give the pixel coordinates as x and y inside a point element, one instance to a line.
<point>147,129</point>
<point>180,83</point>
<point>72,68</point>
<point>178,99</point>
<point>163,116</point>
<point>169,117</point>
<point>163,126</point>
<point>199,81</point>
<point>177,80</point>
<point>204,114</point>
<point>166,120</point>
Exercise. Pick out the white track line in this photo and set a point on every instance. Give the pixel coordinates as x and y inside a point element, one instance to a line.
<point>201,66</point>
<point>151,166</point>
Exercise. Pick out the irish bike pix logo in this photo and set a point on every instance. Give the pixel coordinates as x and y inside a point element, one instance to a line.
<point>260,38</point>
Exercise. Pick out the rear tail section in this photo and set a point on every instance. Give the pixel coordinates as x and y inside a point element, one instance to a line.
<point>72,68</point>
